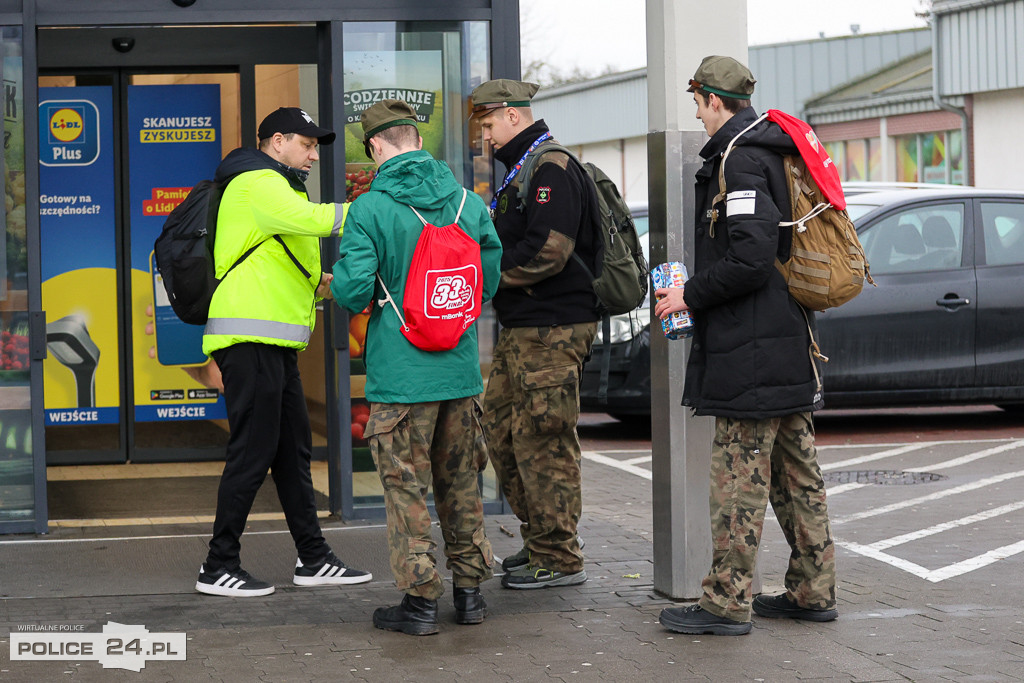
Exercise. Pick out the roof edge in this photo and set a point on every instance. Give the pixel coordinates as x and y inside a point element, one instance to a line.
<point>846,37</point>
<point>592,83</point>
<point>940,7</point>
<point>868,76</point>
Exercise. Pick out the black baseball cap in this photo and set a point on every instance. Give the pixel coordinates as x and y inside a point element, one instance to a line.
<point>293,120</point>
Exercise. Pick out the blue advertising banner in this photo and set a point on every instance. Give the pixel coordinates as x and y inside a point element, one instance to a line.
<point>79,269</point>
<point>174,141</point>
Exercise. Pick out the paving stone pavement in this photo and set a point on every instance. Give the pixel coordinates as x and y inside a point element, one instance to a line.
<point>893,626</point>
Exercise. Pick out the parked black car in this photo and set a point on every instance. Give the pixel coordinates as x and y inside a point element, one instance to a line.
<point>629,377</point>
<point>945,324</point>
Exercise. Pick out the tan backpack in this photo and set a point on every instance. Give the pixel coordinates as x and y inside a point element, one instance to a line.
<point>827,266</point>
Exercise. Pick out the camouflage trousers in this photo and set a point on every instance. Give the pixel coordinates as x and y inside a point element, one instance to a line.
<point>531,408</point>
<point>414,446</point>
<point>753,462</point>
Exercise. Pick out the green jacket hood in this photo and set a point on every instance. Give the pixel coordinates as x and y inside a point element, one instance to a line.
<point>416,179</point>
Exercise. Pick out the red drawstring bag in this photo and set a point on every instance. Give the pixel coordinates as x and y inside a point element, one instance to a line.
<point>819,163</point>
<point>442,291</point>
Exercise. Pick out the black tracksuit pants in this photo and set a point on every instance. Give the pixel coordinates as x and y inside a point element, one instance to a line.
<point>269,430</point>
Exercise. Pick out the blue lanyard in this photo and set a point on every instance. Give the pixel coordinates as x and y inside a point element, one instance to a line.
<point>515,169</point>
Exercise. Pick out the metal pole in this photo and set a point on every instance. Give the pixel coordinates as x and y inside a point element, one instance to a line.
<point>679,34</point>
<point>336,358</point>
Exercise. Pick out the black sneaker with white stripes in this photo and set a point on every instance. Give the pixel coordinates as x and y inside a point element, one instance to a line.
<point>330,572</point>
<point>233,583</point>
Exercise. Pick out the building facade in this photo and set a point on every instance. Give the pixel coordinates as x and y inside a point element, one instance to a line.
<point>112,111</point>
<point>928,105</point>
<point>979,58</point>
<point>613,131</point>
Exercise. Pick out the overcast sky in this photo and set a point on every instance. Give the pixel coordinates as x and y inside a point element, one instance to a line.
<point>594,33</point>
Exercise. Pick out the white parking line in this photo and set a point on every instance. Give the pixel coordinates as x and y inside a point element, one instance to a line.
<point>847,446</point>
<point>946,526</point>
<point>843,488</point>
<point>942,573</point>
<point>638,461</point>
<point>970,457</point>
<point>873,456</point>
<point>969,565</point>
<point>617,464</point>
<point>891,560</point>
<point>938,495</point>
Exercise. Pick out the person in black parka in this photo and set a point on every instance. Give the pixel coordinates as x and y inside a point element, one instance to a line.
<point>751,367</point>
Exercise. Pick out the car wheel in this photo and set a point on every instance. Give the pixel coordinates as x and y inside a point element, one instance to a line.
<point>1011,407</point>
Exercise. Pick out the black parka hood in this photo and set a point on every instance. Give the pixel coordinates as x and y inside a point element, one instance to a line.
<point>765,134</point>
<point>251,159</point>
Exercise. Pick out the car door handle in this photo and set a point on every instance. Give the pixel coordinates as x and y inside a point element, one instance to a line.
<point>952,302</point>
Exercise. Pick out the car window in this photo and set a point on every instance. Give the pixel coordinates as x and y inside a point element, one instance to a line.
<point>1004,232</point>
<point>855,211</point>
<point>916,239</point>
<point>641,224</point>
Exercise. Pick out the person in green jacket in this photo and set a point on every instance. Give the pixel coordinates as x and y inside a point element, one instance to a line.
<point>424,425</point>
<point>261,316</point>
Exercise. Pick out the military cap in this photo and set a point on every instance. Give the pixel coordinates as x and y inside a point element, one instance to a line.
<point>383,115</point>
<point>723,76</point>
<point>288,120</point>
<point>501,92</point>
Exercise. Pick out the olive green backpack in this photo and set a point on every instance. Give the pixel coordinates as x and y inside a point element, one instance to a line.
<point>621,280</point>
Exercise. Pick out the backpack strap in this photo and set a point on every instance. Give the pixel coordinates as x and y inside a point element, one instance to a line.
<point>458,214</point>
<point>527,175</point>
<point>813,351</point>
<point>387,296</point>
<point>721,173</point>
<point>212,216</point>
<point>256,246</point>
<point>530,165</point>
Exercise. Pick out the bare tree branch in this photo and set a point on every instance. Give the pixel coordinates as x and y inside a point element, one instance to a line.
<point>537,58</point>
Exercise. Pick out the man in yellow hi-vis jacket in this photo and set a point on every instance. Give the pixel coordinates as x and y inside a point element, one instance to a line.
<point>267,254</point>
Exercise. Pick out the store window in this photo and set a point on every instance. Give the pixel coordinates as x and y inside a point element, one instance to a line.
<point>930,158</point>
<point>837,151</point>
<point>434,66</point>
<point>874,162</point>
<point>17,480</point>
<point>857,160</point>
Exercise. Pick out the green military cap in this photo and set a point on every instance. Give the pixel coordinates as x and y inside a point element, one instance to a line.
<point>723,76</point>
<point>383,115</point>
<point>501,92</point>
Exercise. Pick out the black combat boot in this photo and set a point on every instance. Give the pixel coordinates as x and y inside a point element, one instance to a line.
<point>470,607</point>
<point>416,616</point>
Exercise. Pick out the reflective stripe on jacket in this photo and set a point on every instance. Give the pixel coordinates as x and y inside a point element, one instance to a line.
<point>266,298</point>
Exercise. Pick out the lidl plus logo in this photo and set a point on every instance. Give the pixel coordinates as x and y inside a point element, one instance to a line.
<point>66,124</point>
<point>72,133</point>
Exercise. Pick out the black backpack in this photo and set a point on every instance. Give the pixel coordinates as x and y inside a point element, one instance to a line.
<point>621,280</point>
<point>184,252</point>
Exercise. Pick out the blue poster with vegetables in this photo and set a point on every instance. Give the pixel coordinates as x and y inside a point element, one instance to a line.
<point>174,141</point>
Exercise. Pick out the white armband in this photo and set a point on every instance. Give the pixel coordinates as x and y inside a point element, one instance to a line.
<point>740,203</point>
